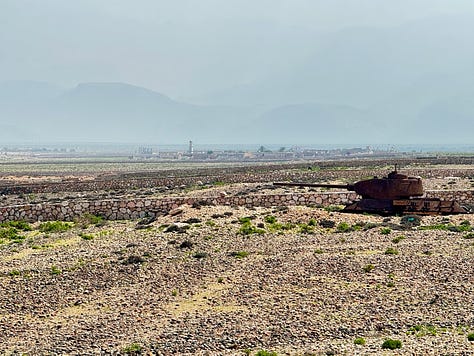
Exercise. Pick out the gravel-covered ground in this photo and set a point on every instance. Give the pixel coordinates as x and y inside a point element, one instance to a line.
<point>213,284</point>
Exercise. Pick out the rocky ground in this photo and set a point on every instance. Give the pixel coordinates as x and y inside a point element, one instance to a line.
<point>223,280</point>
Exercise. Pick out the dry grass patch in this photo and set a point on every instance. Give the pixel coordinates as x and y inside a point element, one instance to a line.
<point>201,301</point>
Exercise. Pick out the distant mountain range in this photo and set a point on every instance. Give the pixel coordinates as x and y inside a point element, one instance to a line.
<point>105,112</point>
<point>118,112</point>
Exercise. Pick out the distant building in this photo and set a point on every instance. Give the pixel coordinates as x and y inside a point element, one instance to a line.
<point>142,150</point>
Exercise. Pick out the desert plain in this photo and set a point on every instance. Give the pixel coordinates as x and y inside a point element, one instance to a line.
<point>238,280</point>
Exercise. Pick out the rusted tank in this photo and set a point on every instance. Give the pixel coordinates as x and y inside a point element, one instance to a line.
<point>395,194</point>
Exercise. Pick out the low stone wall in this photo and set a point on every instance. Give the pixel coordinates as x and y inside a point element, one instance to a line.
<point>140,207</point>
<point>461,196</point>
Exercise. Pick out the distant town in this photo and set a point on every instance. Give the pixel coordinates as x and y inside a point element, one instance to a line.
<point>211,153</point>
<point>262,153</point>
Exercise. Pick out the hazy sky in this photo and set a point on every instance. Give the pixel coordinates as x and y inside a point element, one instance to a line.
<point>383,71</point>
<point>182,47</point>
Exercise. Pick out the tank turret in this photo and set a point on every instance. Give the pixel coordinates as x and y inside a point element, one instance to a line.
<point>394,186</point>
<point>395,194</point>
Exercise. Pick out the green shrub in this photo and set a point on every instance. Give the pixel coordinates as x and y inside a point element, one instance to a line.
<point>55,270</point>
<point>421,330</point>
<point>433,227</point>
<point>248,229</point>
<point>86,236</point>
<point>288,226</point>
<point>90,219</point>
<point>239,254</point>
<point>463,227</point>
<point>95,219</point>
<point>210,223</point>
<point>11,233</point>
<point>368,268</point>
<point>332,208</point>
<point>279,226</point>
<point>391,280</point>
<point>460,228</point>
<point>470,337</point>
<point>392,344</point>
<point>246,219</point>
<point>397,239</point>
<point>132,349</point>
<point>14,272</point>
<point>391,251</point>
<point>306,229</point>
<point>385,230</point>
<point>270,219</point>
<point>265,353</point>
<point>359,341</point>
<point>55,226</point>
<point>344,227</point>
<point>19,225</point>
<point>469,235</point>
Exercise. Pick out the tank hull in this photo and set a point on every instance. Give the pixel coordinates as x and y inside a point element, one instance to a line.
<point>418,206</point>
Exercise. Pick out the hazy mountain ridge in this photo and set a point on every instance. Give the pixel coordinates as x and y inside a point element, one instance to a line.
<point>115,112</point>
<point>118,112</point>
<point>121,112</point>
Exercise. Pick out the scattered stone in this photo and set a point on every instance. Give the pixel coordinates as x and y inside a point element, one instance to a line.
<point>133,260</point>
<point>327,224</point>
<point>200,255</point>
<point>175,212</point>
<point>192,221</point>
<point>186,244</point>
<point>218,216</point>
<point>147,220</point>
<point>177,227</point>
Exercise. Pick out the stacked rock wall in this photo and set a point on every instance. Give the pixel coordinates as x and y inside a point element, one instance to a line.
<point>139,207</point>
<point>461,196</point>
